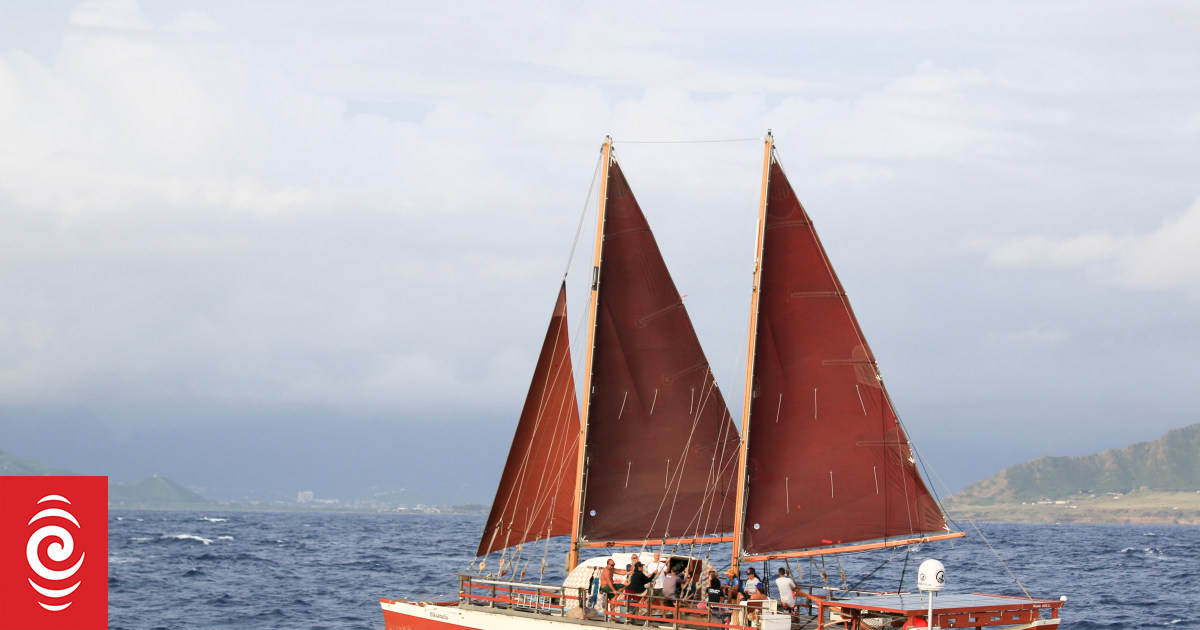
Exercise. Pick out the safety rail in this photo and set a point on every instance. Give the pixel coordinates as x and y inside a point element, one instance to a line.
<point>557,600</point>
<point>527,596</point>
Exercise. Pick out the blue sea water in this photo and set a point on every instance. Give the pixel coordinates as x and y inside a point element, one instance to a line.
<point>214,569</point>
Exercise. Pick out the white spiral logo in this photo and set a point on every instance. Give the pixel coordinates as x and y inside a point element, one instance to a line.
<point>59,552</point>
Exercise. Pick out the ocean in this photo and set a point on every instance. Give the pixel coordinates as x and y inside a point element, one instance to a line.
<point>216,569</point>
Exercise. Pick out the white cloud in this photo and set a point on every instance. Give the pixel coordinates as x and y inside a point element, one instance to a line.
<point>1165,258</point>
<point>1040,334</point>
<point>192,21</point>
<point>321,203</point>
<point>110,14</point>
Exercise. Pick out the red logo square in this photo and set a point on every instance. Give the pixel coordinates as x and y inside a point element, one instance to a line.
<point>53,553</point>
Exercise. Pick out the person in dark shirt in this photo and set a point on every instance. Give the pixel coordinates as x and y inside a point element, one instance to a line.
<point>714,590</point>
<point>715,593</point>
<point>670,584</point>
<point>635,588</point>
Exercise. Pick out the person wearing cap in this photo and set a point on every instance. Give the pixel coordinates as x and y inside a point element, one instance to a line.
<point>752,581</point>
<point>635,588</point>
<point>734,588</point>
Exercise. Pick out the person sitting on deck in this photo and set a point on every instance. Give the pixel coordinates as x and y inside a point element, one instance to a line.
<point>733,586</point>
<point>635,588</point>
<point>687,585</point>
<point>607,586</point>
<point>715,593</point>
<point>752,582</point>
<point>754,600</point>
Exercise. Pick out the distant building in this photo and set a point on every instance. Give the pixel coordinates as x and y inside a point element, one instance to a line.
<point>305,496</point>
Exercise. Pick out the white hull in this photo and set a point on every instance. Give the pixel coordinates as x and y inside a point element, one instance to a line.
<point>400,615</point>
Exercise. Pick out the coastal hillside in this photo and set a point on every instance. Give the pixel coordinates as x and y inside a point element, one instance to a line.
<point>20,467</point>
<point>153,492</point>
<point>1170,463</point>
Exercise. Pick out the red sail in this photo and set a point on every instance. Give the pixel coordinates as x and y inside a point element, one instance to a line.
<point>661,446</point>
<point>534,500</point>
<point>828,461</point>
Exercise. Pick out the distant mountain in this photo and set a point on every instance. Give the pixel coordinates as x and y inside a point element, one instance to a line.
<point>1170,463</point>
<point>153,492</point>
<point>20,467</point>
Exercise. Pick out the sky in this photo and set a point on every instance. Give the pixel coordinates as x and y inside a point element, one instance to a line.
<point>294,245</point>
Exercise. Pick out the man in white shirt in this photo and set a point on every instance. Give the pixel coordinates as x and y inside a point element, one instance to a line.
<point>786,587</point>
<point>656,568</point>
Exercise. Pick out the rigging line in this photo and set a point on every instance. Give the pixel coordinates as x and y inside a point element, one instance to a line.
<point>931,472</point>
<point>729,360</point>
<point>723,463</point>
<point>680,469</point>
<point>974,526</point>
<point>1002,562</point>
<point>539,416</point>
<point>719,472</point>
<point>523,467</point>
<point>724,316</point>
<point>905,478</point>
<point>873,571</point>
<point>678,475</point>
<point>705,512</point>
<point>579,230</point>
<point>758,139</point>
<point>565,457</point>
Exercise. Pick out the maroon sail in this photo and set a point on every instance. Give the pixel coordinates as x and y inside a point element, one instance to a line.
<point>534,500</point>
<point>827,459</point>
<point>661,446</point>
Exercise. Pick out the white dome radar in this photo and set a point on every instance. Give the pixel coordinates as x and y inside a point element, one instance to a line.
<point>931,576</point>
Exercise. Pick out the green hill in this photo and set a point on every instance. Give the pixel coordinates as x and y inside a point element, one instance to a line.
<point>20,467</point>
<point>1168,464</point>
<point>153,492</point>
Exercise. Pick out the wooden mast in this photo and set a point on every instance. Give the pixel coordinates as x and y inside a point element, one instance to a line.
<point>577,514</point>
<point>739,509</point>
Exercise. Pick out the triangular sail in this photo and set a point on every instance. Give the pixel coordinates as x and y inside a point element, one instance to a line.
<point>827,459</point>
<point>534,500</point>
<point>661,446</point>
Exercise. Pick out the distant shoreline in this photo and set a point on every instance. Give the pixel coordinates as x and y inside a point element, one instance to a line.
<point>1135,508</point>
<point>249,507</point>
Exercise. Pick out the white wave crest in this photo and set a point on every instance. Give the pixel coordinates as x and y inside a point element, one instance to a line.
<point>194,537</point>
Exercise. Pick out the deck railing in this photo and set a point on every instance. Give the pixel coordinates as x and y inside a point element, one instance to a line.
<point>556,600</point>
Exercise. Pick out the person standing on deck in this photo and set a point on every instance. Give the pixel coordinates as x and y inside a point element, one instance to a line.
<point>636,588</point>
<point>670,582</point>
<point>786,587</point>
<point>657,569</point>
